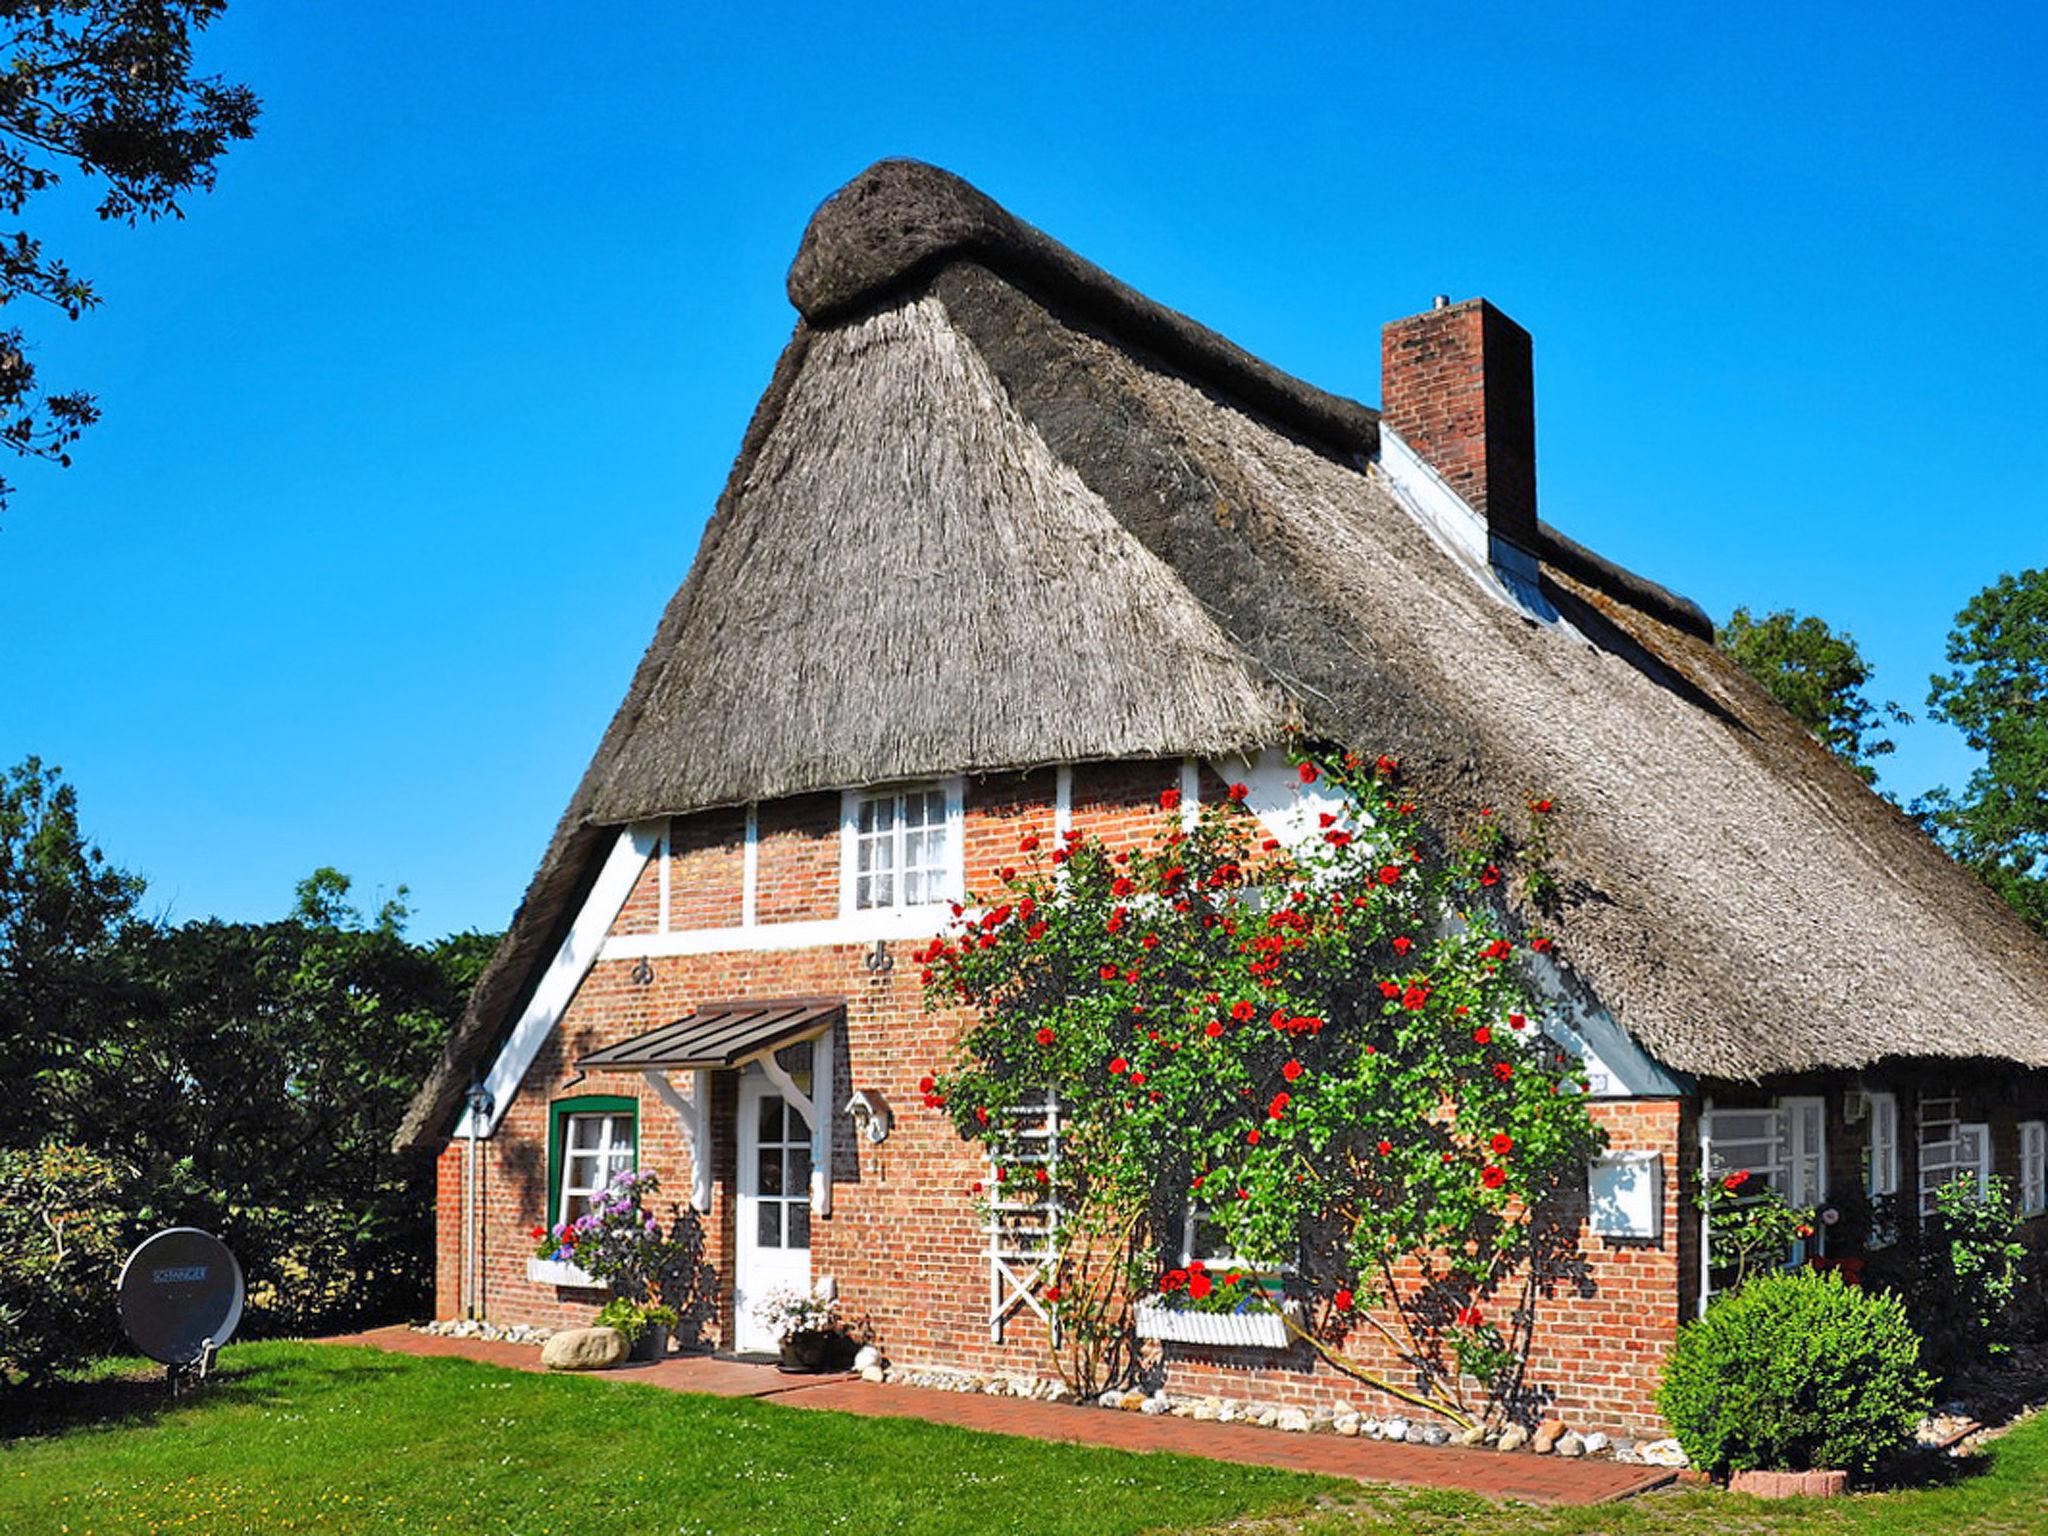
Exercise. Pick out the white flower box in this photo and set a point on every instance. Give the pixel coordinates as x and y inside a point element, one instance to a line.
<point>1262,1329</point>
<point>558,1272</point>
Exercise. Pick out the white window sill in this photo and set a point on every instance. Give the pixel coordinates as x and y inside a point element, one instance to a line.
<point>1157,1319</point>
<point>556,1272</point>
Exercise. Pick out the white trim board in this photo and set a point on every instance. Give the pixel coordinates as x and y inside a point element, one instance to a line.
<point>580,950</point>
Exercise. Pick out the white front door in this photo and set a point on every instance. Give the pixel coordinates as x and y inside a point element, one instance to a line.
<point>773,1248</point>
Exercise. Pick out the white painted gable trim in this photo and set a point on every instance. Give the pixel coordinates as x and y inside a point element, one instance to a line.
<point>622,866</point>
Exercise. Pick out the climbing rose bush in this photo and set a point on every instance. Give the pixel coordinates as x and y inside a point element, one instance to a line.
<point>1327,1044</point>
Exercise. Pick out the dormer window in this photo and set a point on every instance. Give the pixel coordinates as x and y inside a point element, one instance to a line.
<point>902,848</point>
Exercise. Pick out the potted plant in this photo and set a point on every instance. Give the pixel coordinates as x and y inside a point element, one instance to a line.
<point>1196,1306</point>
<point>806,1326</point>
<point>646,1325</point>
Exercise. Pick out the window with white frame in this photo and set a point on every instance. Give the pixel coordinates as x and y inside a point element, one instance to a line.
<point>595,1149</point>
<point>901,849</point>
<point>1881,1146</point>
<point>1782,1146</point>
<point>2033,1167</point>
<point>1950,1148</point>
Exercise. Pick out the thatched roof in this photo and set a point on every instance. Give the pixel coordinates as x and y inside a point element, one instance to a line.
<point>997,510</point>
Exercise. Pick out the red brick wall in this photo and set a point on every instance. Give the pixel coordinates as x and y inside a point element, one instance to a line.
<point>902,1239</point>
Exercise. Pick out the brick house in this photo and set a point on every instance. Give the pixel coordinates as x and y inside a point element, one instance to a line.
<point>1009,547</point>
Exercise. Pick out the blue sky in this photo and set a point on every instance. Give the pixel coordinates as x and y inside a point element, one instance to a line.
<point>412,427</point>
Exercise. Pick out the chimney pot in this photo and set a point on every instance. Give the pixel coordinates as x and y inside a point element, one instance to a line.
<point>1457,383</point>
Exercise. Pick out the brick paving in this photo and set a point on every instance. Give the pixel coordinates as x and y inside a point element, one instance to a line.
<point>1535,1479</point>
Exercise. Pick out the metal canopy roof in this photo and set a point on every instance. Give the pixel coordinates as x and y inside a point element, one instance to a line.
<point>720,1034</point>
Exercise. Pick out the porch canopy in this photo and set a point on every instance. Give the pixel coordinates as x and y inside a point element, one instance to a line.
<point>722,1036</point>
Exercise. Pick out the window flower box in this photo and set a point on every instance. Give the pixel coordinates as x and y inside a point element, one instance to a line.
<point>1250,1329</point>
<point>558,1272</point>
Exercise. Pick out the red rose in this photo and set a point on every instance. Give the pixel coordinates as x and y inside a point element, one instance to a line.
<point>1327,819</point>
<point>1242,1011</point>
<point>1502,1143</point>
<point>1237,793</point>
<point>1035,932</point>
<point>975,1187</point>
<point>1735,1181</point>
<point>538,1233</point>
<point>1169,800</point>
<point>1415,998</point>
<point>1389,873</point>
<point>1199,1285</point>
<point>1042,1176</point>
<point>1503,1071</point>
<point>1059,855</point>
<point>1107,973</point>
<point>1307,773</point>
<point>1122,885</point>
<point>926,1084</point>
<point>1337,838</point>
<point>1489,876</point>
<point>1386,765</point>
<point>1118,1066</point>
<point>1213,1028</point>
<point>1493,1177</point>
<point>1482,1035</point>
<point>1150,941</point>
<point>1343,1300</point>
<point>1137,1079</point>
<point>1386,1149</point>
<point>1390,989</point>
<point>1540,807</point>
<point>1279,1105</point>
<point>1468,1317</point>
<point>1516,1021</point>
<point>1044,1036</point>
<point>1027,843</point>
<point>1052,1293</point>
<point>1403,944</point>
<point>1292,1071</point>
<point>980,1115</point>
<point>1173,1280</point>
<point>1252,1136</point>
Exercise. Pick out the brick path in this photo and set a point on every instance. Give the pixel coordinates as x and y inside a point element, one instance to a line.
<point>1536,1479</point>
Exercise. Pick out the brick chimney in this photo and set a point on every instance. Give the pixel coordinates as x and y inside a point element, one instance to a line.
<point>1456,383</point>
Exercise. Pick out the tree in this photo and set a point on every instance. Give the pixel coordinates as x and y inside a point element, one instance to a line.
<point>104,87</point>
<point>1819,675</point>
<point>1324,1054</point>
<point>64,911</point>
<point>1997,696</point>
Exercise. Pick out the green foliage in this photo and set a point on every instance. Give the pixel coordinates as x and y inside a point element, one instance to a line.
<point>1819,675</point>
<point>1329,1049</point>
<point>249,1074</point>
<point>1967,1272</point>
<point>62,1237</point>
<point>1794,1372</point>
<point>104,87</point>
<point>1997,696</point>
<point>634,1318</point>
<point>1751,1229</point>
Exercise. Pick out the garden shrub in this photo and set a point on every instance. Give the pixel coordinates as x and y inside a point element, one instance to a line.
<point>1794,1372</point>
<point>1967,1277</point>
<point>61,1245</point>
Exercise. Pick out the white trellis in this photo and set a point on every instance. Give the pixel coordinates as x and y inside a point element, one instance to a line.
<point>1023,1232</point>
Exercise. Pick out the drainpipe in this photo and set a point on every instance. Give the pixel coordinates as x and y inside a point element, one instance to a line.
<point>472,1268</point>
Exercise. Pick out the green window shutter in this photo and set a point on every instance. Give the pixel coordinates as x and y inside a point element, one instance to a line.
<point>559,1112</point>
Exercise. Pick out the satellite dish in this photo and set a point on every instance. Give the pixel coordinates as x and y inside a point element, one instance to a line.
<point>181,1291</point>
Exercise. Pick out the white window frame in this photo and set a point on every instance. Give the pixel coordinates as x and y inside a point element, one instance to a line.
<point>1796,1170</point>
<point>605,1154</point>
<point>1881,1146</point>
<point>1944,1111</point>
<point>952,865</point>
<point>2033,1167</point>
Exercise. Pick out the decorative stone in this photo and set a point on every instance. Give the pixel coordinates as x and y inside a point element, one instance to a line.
<point>1133,1402</point>
<point>1394,1429</point>
<point>1346,1425</point>
<point>1548,1433</point>
<point>584,1349</point>
<point>1569,1444</point>
<point>1476,1435</point>
<point>873,1373</point>
<point>1227,1414</point>
<point>1057,1391</point>
<point>1663,1453</point>
<point>1343,1410</point>
<point>1513,1438</point>
<point>1596,1443</point>
<point>869,1355</point>
<point>1204,1413</point>
<point>1157,1404</point>
<point>1435,1434</point>
<point>1110,1399</point>
<point>1416,1435</point>
<point>1293,1420</point>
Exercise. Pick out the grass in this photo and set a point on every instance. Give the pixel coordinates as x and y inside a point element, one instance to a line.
<point>303,1437</point>
<point>300,1437</point>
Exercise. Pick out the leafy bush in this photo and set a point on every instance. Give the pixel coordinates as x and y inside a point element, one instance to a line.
<point>1968,1272</point>
<point>1794,1372</point>
<point>61,1244</point>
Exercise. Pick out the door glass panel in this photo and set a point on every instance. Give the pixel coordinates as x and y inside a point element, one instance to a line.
<point>768,1224</point>
<point>771,1119</point>
<point>799,1223</point>
<point>769,1181</point>
<point>797,1171</point>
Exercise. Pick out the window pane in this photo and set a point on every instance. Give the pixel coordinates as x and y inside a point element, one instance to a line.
<point>770,1122</point>
<point>770,1171</point>
<point>797,1171</point>
<point>575,1206</point>
<point>914,891</point>
<point>878,815</point>
<point>581,1171</point>
<point>585,1132</point>
<point>768,1224</point>
<point>799,1223</point>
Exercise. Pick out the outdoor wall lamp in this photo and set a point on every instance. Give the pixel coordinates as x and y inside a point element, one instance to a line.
<point>870,1113</point>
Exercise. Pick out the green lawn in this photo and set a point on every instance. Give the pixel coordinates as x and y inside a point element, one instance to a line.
<point>317,1438</point>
